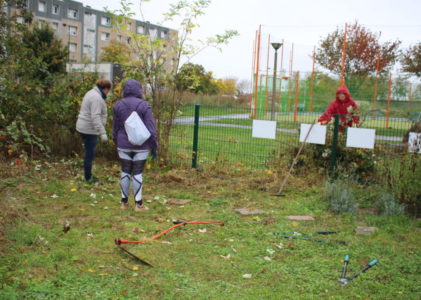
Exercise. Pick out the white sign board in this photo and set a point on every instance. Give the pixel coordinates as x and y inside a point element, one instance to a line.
<point>414,142</point>
<point>264,129</point>
<point>361,138</point>
<point>317,134</point>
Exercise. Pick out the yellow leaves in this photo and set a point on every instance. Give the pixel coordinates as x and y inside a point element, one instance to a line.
<point>73,189</point>
<point>269,172</point>
<point>135,268</point>
<point>25,262</point>
<point>10,151</point>
<point>148,166</point>
<point>90,271</point>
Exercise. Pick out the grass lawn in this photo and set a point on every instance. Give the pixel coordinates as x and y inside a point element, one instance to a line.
<point>39,261</point>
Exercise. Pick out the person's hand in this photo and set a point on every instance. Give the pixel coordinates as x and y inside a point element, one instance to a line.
<point>104,138</point>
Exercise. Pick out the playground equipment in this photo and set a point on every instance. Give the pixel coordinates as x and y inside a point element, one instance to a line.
<point>296,91</point>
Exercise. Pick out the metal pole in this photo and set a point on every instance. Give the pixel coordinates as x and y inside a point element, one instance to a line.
<point>267,76</point>
<point>334,145</point>
<point>195,135</point>
<point>272,115</point>
<point>312,80</point>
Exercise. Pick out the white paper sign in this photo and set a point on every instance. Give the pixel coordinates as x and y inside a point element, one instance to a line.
<point>361,138</point>
<point>414,142</point>
<point>264,129</point>
<point>317,134</point>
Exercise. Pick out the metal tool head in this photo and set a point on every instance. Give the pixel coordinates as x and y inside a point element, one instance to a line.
<point>343,281</point>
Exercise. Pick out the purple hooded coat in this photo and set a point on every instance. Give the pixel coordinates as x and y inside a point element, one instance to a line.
<point>132,93</point>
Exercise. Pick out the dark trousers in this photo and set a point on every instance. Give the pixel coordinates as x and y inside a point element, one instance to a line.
<point>89,145</point>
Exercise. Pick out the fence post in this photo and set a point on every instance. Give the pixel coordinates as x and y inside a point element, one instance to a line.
<point>195,135</point>
<point>334,145</point>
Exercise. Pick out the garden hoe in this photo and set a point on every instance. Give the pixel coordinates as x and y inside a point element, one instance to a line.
<point>279,194</point>
<point>119,242</point>
<point>344,280</point>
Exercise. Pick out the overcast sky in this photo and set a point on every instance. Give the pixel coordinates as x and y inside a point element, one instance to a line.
<point>302,22</point>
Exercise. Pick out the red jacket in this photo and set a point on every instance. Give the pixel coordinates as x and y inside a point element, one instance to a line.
<point>342,108</point>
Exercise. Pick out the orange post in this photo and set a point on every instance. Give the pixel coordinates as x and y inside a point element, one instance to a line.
<point>291,60</point>
<point>280,76</point>
<point>410,93</point>
<point>389,92</point>
<point>297,86</point>
<point>256,92</point>
<point>252,73</point>
<point>267,75</point>
<point>343,57</point>
<point>376,82</point>
<point>312,80</point>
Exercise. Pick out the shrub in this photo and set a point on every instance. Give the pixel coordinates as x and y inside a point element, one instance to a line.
<point>388,205</point>
<point>341,198</point>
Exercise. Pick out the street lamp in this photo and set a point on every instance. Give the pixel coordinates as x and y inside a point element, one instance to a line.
<point>275,46</point>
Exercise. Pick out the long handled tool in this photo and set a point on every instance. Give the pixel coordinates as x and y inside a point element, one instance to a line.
<point>279,194</point>
<point>365,268</point>
<point>119,242</point>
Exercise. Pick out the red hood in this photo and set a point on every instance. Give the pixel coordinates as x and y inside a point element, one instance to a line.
<point>343,90</point>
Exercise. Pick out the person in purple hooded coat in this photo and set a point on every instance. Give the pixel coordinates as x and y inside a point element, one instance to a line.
<point>133,158</point>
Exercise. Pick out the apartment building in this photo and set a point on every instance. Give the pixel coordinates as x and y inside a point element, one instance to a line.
<point>85,30</point>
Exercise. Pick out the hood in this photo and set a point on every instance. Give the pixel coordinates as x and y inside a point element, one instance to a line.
<point>344,90</point>
<point>132,88</point>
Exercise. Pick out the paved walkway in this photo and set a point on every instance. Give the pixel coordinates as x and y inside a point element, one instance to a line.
<point>202,120</point>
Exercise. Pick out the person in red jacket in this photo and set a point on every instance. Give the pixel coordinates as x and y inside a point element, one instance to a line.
<point>344,106</point>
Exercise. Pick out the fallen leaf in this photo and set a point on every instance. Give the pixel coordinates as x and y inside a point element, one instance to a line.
<point>280,245</point>
<point>106,207</point>
<point>234,250</point>
<point>54,196</point>
<point>270,251</point>
<point>166,242</point>
<point>92,195</point>
<point>247,276</point>
<point>90,271</point>
<point>226,256</point>
<point>102,274</point>
<point>24,262</point>
<point>123,292</point>
<point>135,268</point>
<point>114,228</point>
<point>73,189</point>
<point>267,258</point>
<point>202,230</point>
<point>135,274</point>
<point>270,172</point>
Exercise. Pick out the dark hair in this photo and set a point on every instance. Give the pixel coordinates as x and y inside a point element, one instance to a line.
<point>103,84</point>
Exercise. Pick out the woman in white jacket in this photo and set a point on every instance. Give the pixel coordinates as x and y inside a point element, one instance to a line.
<point>91,123</point>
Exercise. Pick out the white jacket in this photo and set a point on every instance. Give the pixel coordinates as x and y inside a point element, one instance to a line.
<point>93,114</point>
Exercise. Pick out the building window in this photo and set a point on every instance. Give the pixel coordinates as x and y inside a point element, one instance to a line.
<point>106,21</point>
<point>55,26</point>
<point>72,47</point>
<point>105,36</point>
<point>56,9</point>
<point>119,37</point>
<point>42,6</point>
<point>164,35</point>
<point>91,30</point>
<point>140,29</point>
<point>129,40</point>
<point>87,48</point>
<point>20,20</point>
<point>153,32</point>
<point>72,13</point>
<point>72,30</point>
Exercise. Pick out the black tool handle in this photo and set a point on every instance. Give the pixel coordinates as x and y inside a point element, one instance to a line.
<point>345,269</point>
<point>368,266</point>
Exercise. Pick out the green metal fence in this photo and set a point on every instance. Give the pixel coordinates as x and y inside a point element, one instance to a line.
<point>209,135</point>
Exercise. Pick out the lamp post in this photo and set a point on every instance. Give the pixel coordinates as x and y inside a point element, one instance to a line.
<point>275,46</point>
